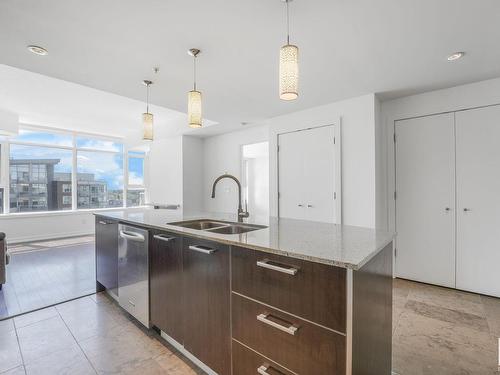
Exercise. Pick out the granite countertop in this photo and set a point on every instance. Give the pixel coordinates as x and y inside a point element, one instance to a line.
<point>332,244</point>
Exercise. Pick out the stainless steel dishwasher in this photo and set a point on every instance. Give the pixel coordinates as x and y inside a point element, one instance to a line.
<point>133,272</point>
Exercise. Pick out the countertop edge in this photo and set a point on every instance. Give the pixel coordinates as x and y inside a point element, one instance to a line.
<point>207,236</point>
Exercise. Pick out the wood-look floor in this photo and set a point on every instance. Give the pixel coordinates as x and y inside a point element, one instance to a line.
<point>43,273</point>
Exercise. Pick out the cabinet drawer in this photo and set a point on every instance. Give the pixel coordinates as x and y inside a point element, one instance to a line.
<point>247,362</point>
<point>165,284</point>
<point>300,346</point>
<point>316,292</point>
<point>207,323</point>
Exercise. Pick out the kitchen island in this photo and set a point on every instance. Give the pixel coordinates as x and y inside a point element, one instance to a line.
<point>291,297</point>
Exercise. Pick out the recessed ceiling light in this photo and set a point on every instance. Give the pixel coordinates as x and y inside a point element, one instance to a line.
<point>37,50</point>
<point>456,56</point>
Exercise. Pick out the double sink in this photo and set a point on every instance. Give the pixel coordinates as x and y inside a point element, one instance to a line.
<point>221,227</point>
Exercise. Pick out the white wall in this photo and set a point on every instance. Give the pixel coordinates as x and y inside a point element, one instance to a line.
<point>192,171</point>
<point>222,154</point>
<point>30,227</point>
<point>381,212</point>
<point>462,97</point>
<point>165,175</point>
<point>358,153</point>
<point>256,181</point>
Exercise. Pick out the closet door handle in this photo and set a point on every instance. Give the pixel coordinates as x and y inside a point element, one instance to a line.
<point>447,209</point>
<point>467,210</point>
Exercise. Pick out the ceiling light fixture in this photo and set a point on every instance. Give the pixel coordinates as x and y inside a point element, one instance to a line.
<point>456,56</point>
<point>37,50</point>
<point>289,65</point>
<point>147,118</point>
<point>194,96</point>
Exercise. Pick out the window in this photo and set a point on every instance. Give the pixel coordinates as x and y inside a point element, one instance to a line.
<point>136,191</point>
<point>99,179</point>
<point>34,173</point>
<point>42,166</point>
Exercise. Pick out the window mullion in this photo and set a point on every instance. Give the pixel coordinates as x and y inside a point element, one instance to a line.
<point>74,177</point>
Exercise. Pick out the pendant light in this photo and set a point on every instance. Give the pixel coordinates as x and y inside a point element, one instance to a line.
<point>194,96</point>
<point>147,118</point>
<point>289,65</point>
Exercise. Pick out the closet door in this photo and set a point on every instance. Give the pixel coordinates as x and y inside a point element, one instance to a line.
<point>291,159</point>
<point>319,174</point>
<point>307,174</point>
<point>425,204</point>
<point>478,200</point>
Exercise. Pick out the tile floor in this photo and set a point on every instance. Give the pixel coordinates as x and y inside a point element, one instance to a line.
<point>437,331</point>
<point>443,331</point>
<point>47,272</point>
<point>90,335</point>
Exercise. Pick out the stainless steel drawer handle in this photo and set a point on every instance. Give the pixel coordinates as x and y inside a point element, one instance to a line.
<point>202,249</point>
<point>262,370</point>
<point>291,330</point>
<point>130,302</point>
<point>162,237</point>
<point>266,263</point>
<point>102,222</point>
<point>132,236</point>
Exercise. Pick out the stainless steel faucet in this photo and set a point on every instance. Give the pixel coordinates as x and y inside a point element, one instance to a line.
<point>241,213</point>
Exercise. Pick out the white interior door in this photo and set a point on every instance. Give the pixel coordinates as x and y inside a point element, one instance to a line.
<point>478,200</point>
<point>425,204</point>
<point>319,174</point>
<point>291,175</point>
<point>309,174</point>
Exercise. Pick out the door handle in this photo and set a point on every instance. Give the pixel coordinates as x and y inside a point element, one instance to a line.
<point>300,205</point>
<point>132,236</point>
<point>447,209</point>
<point>264,318</point>
<point>467,210</point>
<point>266,263</point>
<point>202,249</point>
<point>162,237</point>
<point>309,205</point>
<point>262,370</point>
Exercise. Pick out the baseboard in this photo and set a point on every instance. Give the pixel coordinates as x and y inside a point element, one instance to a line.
<point>48,236</point>
<point>188,355</point>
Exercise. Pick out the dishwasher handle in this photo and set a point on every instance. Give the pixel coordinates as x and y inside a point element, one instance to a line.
<point>132,236</point>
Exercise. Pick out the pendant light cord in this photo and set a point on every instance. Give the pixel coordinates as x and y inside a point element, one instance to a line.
<point>147,98</point>
<point>287,24</point>
<point>194,72</point>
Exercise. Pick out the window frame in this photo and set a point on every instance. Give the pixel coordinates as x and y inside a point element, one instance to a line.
<point>6,142</point>
<point>127,156</point>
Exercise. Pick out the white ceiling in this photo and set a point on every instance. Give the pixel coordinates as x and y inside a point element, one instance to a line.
<point>348,48</point>
<point>46,101</point>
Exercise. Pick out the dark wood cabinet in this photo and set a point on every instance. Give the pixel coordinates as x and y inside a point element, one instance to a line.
<point>207,303</point>
<point>313,291</point>
<point>166,293</point>
<point>248,362</point>
<point>106,245</point>
<point>294,343</point>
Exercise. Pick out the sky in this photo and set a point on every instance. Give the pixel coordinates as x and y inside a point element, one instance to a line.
<point>105,166</point>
